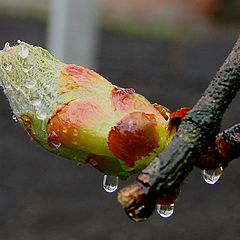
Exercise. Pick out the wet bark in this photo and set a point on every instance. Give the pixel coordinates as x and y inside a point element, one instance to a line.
<point>196,136</point>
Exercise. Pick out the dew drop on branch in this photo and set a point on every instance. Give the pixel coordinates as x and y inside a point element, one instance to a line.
<point>212,176</point>
<point>165,211</point>
<point>110,183</point>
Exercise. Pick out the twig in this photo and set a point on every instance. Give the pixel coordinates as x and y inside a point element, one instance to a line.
<point>225,148</point>
<point>163,177</point>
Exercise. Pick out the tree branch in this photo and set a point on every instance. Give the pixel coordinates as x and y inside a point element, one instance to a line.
<point>225,148</point>
<point>163,177</point>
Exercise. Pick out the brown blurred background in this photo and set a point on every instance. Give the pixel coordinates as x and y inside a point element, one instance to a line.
<point>168,50</point>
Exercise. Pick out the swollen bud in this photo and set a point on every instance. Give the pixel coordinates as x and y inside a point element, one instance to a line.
<point>75,113</point>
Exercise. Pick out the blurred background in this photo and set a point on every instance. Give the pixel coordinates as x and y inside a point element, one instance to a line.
<point>168,50</point>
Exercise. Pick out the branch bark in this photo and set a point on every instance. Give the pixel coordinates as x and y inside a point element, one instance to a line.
<point>161,180</point>
<point>225,148</point>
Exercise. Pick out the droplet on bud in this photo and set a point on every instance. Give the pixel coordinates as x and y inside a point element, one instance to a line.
<point>6,46</point>
<point>27,68</point>
<point>36,102</point>
<point>14,117</point>
<point>29,84</point>
<point>75,132</point>
<point>53,140</point>
<point>44,127</point>
<point>64,129</point>
<point>110,183</point>
<point>165,211</point>
<point>7,86</point>
<point>41,115</point>
<point>212,176</point>
<point>24,52</point>
<point>7,66</point>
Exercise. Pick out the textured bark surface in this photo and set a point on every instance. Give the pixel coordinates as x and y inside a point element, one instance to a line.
<point>198,129</point>
<point>225,148</point>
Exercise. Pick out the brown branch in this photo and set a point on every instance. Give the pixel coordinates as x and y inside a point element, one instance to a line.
<point>224,149</point>
<point>163,177</point>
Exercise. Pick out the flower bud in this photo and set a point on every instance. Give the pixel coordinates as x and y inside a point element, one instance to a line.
<point>75,113</point>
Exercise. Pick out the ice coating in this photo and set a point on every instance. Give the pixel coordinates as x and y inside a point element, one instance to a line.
<point>28,75</point>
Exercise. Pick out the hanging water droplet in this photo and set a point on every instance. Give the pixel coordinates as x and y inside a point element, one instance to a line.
<point>29,84</point>
<point>24,52</point>
<point>14,117</point>
<point>110,183</point>
<point>7,66</point>
<point>212,176</point>
<point>165,210</point>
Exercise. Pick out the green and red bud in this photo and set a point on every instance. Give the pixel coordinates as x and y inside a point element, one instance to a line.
<point>75,113</point>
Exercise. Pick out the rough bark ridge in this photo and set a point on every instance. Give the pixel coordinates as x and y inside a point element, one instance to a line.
<point>163,177</point>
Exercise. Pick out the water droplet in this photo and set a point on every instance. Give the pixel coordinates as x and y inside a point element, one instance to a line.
<point>36,102</point>
<point>43,127</point>
<point>29,84</point>
<point>165,210</point>
<point>64,129</point>
<point>110,183</point>
<point>53,140</point>
<point>44,54</point>
<point>7,86</point>
<point>75,132</point>
<point>14,117</point>
<point>212,176</point>
<point>41,116</point>
<point>24,52</point>
<point>6,46</point>
<point>27,68</point>
<point>7,66</point>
